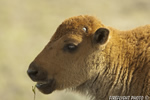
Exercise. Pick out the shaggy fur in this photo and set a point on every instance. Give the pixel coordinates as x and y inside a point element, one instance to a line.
<point>119,67</point>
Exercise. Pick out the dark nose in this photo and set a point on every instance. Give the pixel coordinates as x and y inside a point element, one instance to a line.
<point>33,71</point>
<point>36,73</point>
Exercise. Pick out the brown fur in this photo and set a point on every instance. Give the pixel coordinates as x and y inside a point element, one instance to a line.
<point>119,67</point>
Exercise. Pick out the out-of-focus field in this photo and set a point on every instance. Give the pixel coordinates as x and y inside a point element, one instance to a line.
<point>27,25</point>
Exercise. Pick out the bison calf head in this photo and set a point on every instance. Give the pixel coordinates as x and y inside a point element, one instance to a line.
<point>69,59</point>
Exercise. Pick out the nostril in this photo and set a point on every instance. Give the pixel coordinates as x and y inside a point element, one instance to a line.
<point>32,72</point>
<point>36,73</point>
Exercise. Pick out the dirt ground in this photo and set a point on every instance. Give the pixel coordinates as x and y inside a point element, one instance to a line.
<point>27,25</point>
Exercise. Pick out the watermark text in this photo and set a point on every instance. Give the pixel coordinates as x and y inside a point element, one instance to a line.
<point>129,98</point>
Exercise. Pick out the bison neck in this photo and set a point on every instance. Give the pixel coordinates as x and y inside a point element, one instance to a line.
<point>126,73</point>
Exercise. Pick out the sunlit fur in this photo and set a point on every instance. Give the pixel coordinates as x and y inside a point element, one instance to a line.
<point>119,67</point>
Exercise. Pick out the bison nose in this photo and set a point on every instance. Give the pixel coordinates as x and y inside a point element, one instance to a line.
<point>33,71</point>
<point>36,73</point>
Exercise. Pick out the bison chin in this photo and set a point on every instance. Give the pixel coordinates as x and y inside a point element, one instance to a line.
<point>46,87</point>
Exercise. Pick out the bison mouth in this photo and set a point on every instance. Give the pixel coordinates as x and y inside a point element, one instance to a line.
<point>46,87</point>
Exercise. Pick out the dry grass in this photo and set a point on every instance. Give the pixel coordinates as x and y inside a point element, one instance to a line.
<point>27,25</point>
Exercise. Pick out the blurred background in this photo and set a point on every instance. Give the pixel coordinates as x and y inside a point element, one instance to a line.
<point>26,26</point>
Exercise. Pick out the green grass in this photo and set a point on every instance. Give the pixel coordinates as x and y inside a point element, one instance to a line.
<point>27,25</point>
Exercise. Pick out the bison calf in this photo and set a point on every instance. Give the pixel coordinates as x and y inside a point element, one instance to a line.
<point>86,56</point>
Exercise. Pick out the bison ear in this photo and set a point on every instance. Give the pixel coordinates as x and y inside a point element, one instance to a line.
<point>101,35</point>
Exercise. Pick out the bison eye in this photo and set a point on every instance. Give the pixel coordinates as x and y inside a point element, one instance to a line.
<point>70,47</point>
